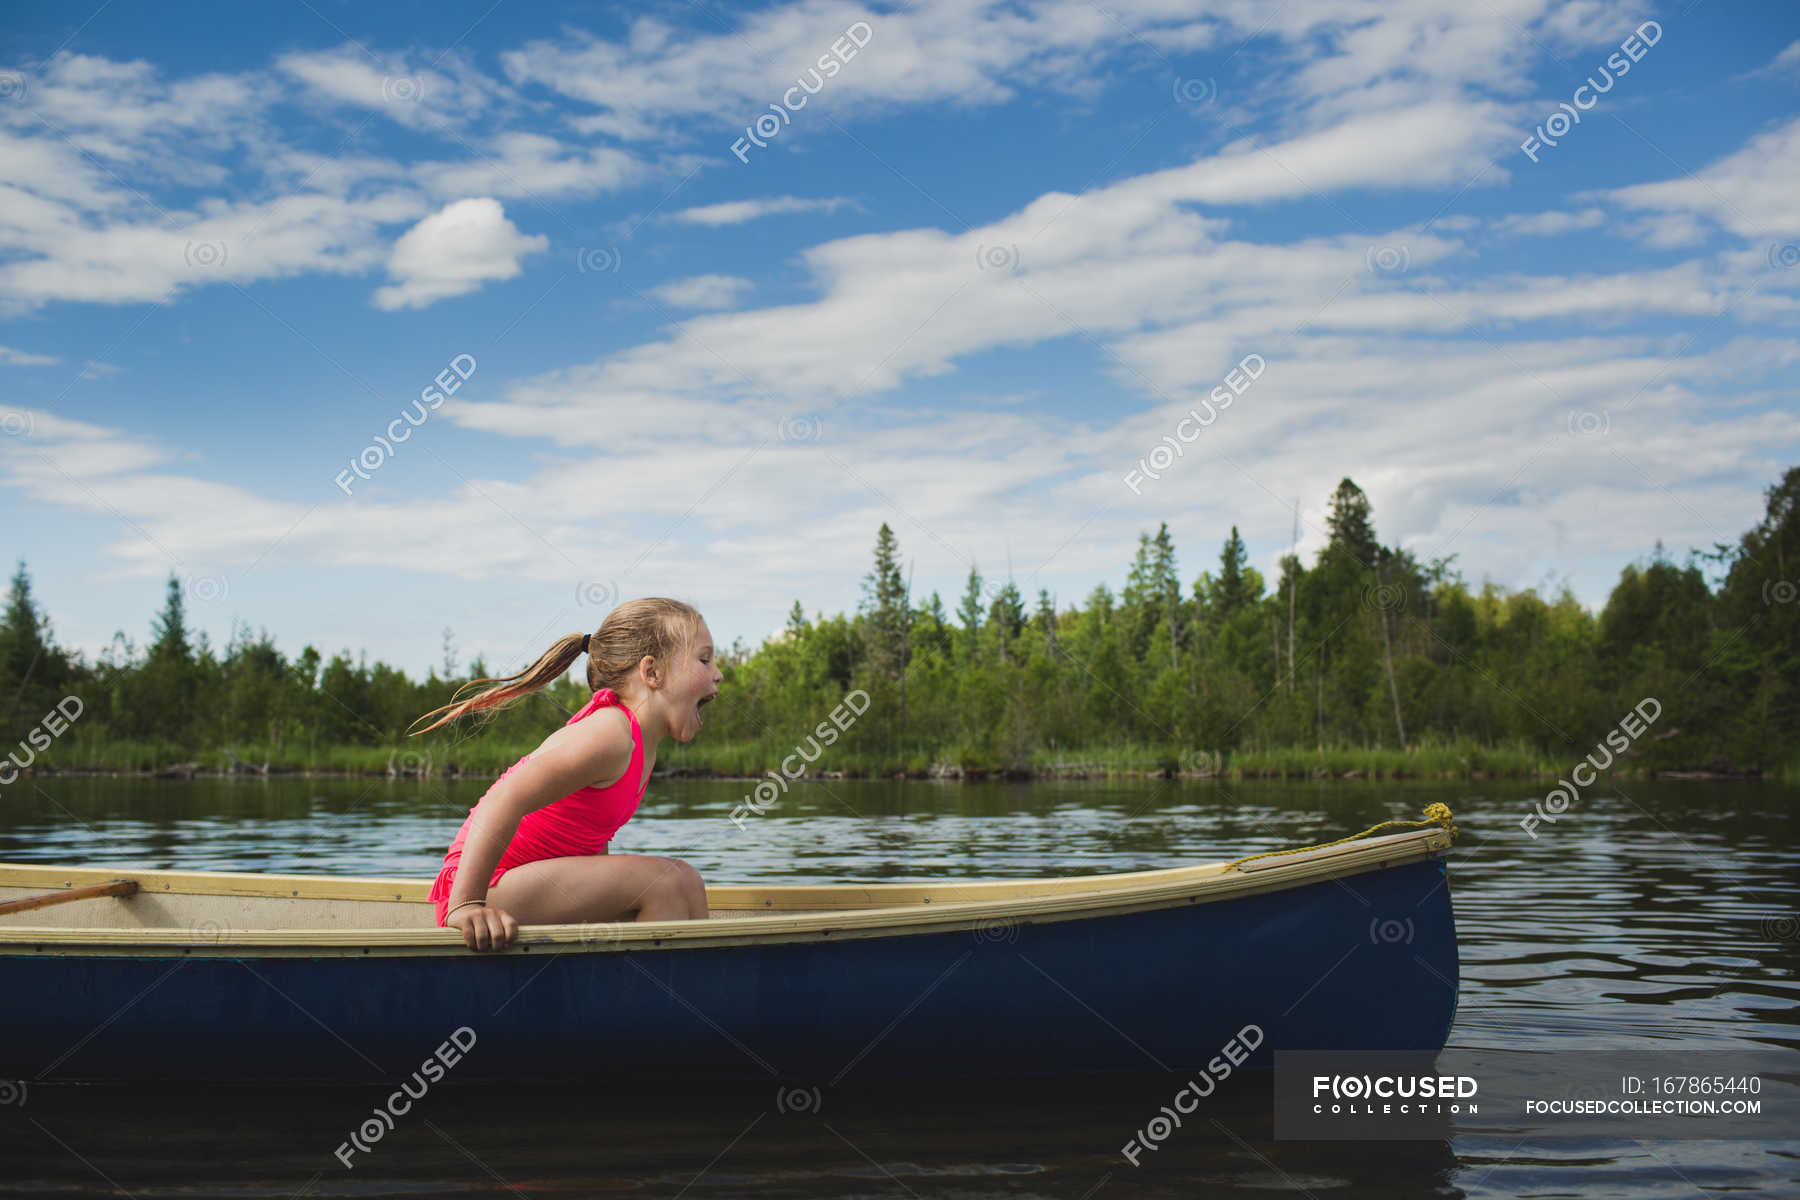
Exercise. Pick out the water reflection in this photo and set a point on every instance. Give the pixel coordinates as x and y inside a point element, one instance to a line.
<point>1655,913</point>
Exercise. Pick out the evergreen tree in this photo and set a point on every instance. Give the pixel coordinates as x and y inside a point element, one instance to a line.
<point>1007,618</point>
<point>1046,621</point>
<point>30,666</point>
<point>885,602</point>
<point>1232,592</point>
<point>1351,528</point>
<point>169,636</point>
<point>969,613</point>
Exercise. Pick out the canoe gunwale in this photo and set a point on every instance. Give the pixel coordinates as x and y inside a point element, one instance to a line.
<point>1067,898</point>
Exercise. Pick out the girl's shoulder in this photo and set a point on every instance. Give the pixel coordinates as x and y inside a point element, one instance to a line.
<point>598,747</point>
<point>610,730</point>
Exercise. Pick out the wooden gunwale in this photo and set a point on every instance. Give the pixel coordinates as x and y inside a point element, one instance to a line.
<point>837,911</point>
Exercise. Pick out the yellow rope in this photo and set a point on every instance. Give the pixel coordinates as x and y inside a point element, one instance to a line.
<point>1435,814</point>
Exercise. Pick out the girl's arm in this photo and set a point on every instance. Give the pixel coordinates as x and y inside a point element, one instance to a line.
<point>602,750</point>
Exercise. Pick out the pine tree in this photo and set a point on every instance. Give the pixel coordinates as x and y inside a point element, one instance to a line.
<point>1046,621</point>
<point>1232,592</point>
<point>169,632</point>
<point>885,602</point>
<point>969,612</point>
<point>1007,616</point>
<point>27,660</point>
<point>1351,527</point>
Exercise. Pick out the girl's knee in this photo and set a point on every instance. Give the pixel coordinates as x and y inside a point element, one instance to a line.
<point>692,888</point>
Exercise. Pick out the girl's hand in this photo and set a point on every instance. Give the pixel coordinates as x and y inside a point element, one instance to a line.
<point>485,927</point>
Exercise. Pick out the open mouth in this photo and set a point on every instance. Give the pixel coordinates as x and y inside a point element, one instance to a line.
<point>702,703</point>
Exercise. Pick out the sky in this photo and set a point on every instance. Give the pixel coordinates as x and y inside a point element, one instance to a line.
<point>365,322</point>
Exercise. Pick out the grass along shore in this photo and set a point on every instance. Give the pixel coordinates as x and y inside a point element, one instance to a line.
<point>483,757</point>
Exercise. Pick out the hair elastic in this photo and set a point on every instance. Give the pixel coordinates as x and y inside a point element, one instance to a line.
<point>584,642</point>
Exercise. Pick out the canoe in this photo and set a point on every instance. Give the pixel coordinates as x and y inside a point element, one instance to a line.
<point>261,978</point>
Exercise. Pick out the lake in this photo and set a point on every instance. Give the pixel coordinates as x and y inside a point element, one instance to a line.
<point>1649,914</point>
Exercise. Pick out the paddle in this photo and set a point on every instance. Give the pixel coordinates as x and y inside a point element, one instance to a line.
<point>118,887</point>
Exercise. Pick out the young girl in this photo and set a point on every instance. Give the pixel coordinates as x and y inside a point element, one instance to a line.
<point>533,849</point>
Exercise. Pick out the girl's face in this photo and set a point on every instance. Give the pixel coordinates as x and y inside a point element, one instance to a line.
<point>692,683</point>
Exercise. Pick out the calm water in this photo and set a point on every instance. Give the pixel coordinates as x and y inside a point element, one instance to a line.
<point>1651,915</point>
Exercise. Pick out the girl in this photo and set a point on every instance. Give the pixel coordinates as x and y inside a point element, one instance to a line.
<point>534,846</point>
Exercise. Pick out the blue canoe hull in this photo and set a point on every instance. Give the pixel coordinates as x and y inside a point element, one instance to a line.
<point>1369,962</point>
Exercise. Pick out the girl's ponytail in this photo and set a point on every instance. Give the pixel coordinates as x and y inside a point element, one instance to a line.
<point>653,625</point>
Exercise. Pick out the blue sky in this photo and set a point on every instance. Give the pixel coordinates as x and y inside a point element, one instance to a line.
<point>985,263</point>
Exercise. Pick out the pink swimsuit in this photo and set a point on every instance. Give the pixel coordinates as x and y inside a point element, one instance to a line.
<point>582,822</point>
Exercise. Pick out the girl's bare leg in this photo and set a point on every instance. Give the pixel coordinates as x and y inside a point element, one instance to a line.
<point>601,887</point>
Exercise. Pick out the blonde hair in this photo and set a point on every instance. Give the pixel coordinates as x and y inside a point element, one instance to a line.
<point>651,625</point>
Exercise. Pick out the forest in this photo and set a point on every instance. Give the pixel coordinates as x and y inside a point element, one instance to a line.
<point>1364,663</point>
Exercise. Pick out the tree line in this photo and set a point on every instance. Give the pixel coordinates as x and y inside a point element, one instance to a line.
<point>1366,646</point>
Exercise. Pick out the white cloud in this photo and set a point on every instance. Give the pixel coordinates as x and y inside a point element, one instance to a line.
<point>1787,62</point>
<point>1333,56</point>
<point>21,358</point>
<point>91,153</point>
<point>95,369</point>
<point>454,251</point>
<point>1550,224</point>
<point>421,96</point>
<point>126,258</point>
<point>703,291</point>
<point>531,165</point>
<point>966,53</point>
<point>736,212</point>
<point>1749,192</point>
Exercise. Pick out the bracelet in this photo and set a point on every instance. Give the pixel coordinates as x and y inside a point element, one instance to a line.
<point>465,904</point>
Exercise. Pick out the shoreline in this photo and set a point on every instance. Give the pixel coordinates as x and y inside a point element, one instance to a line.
<point>938,773</point>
